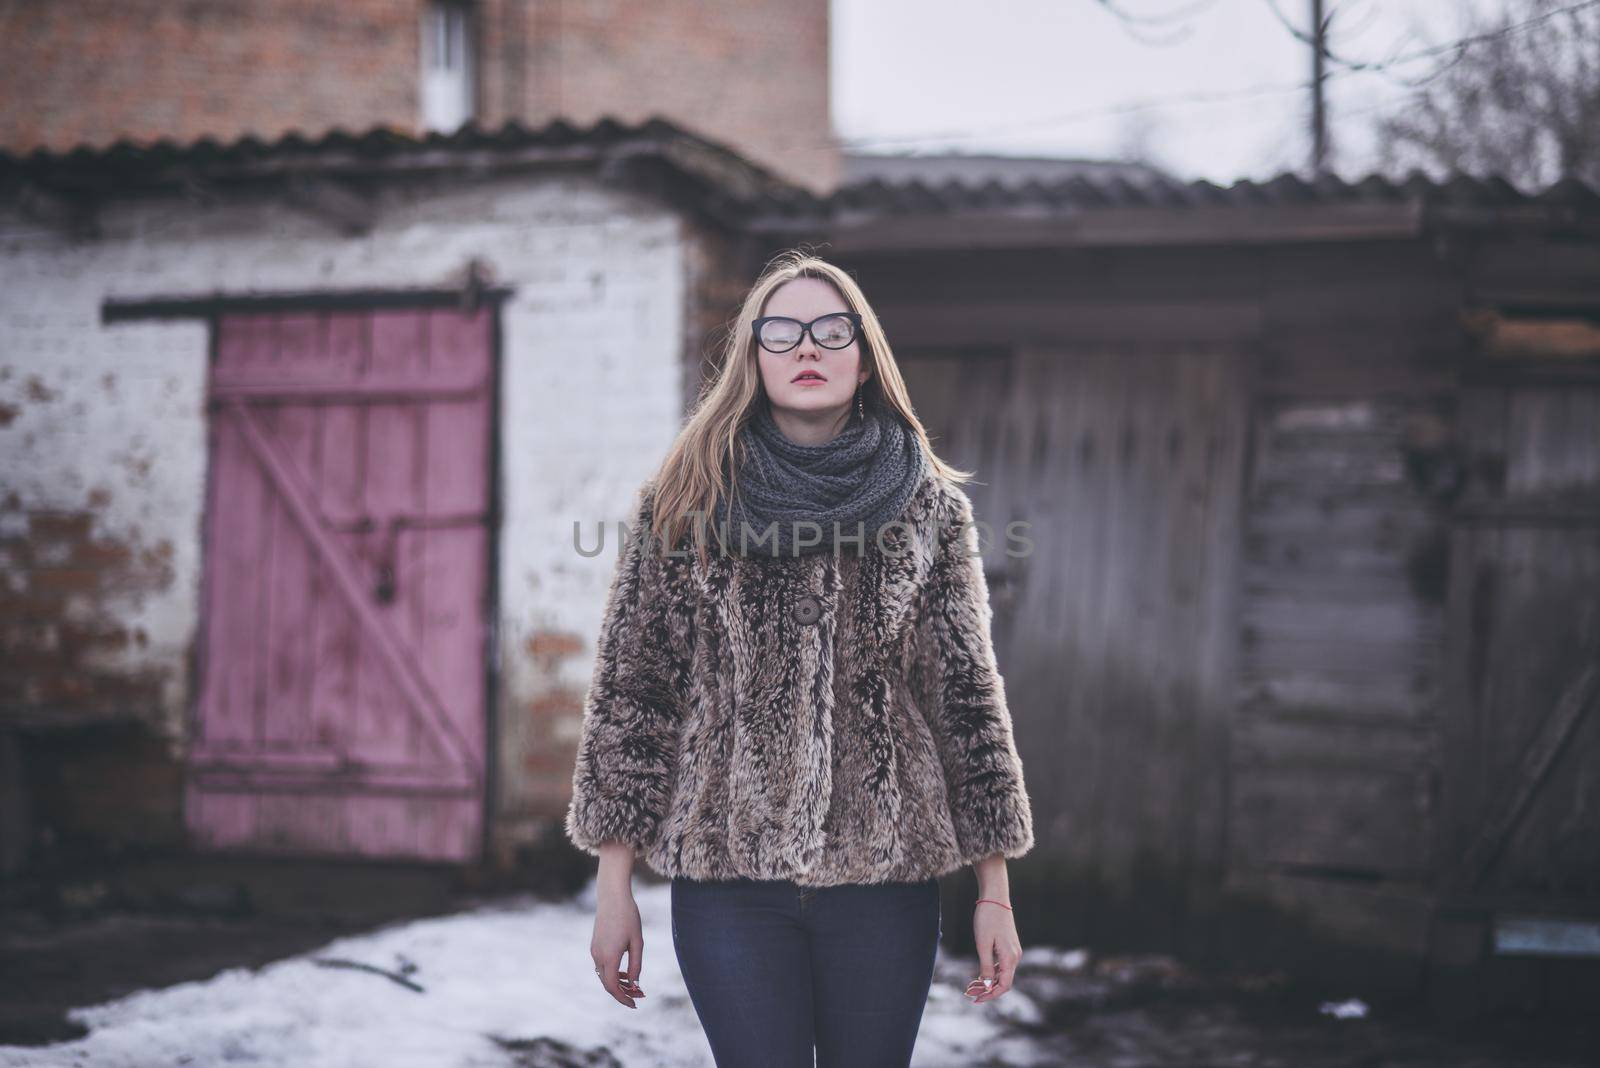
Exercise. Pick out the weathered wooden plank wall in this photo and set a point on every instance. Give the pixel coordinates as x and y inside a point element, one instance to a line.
<point>1124,464</point>
<point>1522,752</point>
<point>1113,628</point>
<point>1341,623</point>
<point>1229,655</point>
<point>1102,400</point>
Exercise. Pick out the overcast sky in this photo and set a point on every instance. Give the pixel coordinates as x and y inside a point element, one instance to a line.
<point>1217,94</point>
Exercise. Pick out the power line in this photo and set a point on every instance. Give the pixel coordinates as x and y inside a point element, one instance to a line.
<point>1147,104</point>
<point>1457,46</point>
<point>1162,19</point>
<point>1138,23</point>
<point>1177,99</point>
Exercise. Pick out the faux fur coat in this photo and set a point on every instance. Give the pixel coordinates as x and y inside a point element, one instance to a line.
<point>824,719</point>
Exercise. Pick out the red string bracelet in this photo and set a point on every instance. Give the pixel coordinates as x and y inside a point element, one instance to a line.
<point>992,901</point>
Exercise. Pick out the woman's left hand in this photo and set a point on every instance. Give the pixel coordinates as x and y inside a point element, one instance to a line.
<point>999,950</point>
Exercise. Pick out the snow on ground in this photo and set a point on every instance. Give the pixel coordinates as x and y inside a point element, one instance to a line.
<point>492,977</point>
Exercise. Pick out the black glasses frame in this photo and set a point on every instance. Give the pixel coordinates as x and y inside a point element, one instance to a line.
<point>805,328</point>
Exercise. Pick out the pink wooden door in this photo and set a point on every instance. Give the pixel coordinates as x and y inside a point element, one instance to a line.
<point>341,704</point>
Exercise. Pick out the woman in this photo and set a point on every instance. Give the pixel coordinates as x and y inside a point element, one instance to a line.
<point>795,713</point>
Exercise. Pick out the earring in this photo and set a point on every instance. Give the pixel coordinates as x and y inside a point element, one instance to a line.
<point>861,404</point>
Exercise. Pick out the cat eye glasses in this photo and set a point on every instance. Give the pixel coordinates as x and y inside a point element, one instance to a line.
<point>779,333</point>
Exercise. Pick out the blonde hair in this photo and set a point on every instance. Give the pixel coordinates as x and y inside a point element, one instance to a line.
<point>704,459</point>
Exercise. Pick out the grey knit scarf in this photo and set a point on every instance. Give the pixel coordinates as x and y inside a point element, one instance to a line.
<point>862,480</point>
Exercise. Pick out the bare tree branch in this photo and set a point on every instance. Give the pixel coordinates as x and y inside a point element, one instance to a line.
<point>1177,18</point>
<point>1522,102</point>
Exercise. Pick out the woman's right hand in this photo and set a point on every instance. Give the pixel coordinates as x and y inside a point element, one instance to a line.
<point>617,927</point>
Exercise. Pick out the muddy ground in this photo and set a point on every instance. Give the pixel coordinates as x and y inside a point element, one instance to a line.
<point>91,938</point>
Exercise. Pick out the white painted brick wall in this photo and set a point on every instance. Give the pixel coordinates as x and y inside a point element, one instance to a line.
<point>592,368</point>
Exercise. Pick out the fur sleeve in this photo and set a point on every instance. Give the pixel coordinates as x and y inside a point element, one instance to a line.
<point>966,701</point>
<point>632,710</point>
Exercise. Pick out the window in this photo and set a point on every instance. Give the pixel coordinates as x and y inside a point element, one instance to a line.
<point>447,65</point>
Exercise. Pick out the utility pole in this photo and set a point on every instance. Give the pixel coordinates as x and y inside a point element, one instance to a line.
<point>1319,111</point>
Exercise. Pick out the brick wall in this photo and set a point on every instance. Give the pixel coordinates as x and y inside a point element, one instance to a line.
<point>750,73</point>
<point>103,427</point>
<point>66,632</point>
<point>88,71</point>
<point>87,766</point>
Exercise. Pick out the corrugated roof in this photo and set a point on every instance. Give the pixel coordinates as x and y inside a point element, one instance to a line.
<point>734,188</point>
<point>1113,209</point>
<point>1088,191</point>
<point>976,168</point>
<point>713,172</point>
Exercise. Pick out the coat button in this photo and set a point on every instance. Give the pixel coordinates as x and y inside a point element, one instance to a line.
<point>807,610</point>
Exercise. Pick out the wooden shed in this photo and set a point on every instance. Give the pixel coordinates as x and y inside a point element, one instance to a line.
<point>1304,644</point>
<point>294,436</point>
<point>1310,625</point>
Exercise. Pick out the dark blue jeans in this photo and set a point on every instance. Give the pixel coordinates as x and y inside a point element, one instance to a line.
<point>777,971</point>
